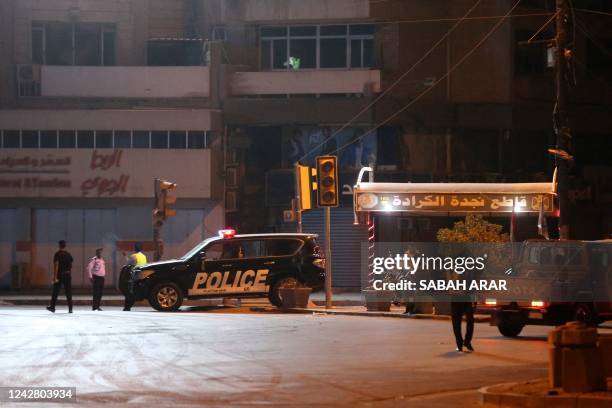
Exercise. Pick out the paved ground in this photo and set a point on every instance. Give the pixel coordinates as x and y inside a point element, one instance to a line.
<point>225,357</point>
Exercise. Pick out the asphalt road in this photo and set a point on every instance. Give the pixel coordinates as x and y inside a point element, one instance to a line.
<point>234,357</point>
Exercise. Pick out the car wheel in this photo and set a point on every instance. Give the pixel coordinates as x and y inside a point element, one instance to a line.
<point>510,328</point>
<point>285,282</point>
<point>583,312</point>
<point>166,297</point>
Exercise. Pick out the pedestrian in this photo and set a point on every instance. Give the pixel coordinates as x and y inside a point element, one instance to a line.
<point>96,269</point>
<point>458,309</point>
<point>62,267</point>
<point>135,259</point>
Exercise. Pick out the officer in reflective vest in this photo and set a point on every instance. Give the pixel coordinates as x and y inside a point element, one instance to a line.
<point>135,259</point>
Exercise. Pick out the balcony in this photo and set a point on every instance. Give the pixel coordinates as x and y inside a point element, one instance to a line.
<point>114,82</point>
<point>305,82</point>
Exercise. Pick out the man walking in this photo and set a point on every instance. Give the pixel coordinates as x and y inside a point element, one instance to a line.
<point>459,308</point>
<point>135,259</point>
<point>62,267</point>
<point>97,271</point>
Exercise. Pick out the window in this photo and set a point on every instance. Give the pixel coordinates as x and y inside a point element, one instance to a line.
<point>123,139</point>
<point>104,139</point>
<point>87,45</point>
<point>29,139</point>
<point>281,247</point>
<point>219,34</point>
<point>178,140</point>
<point>38,48</point>
<point>528,59</point>
<point>48,139</point>
<point>59,43</point>
<point>312,47</point>
<point>159,140</point>
<point>333,53</point>
<point>67,139</point>
<point>196,140</point>
<point>140,139</point>
<point>11,139</point>
<point>85,139</point>
<point>174,52</point>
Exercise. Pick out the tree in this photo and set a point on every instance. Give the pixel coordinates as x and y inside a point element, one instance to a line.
<point>473,229</point>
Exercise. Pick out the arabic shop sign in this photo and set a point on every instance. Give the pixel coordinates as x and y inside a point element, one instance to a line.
<point>101,173</point>
<point>446,202</point>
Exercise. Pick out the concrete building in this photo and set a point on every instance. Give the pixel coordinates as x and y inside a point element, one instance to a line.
<point>91,112</point>
<point>236,91</point>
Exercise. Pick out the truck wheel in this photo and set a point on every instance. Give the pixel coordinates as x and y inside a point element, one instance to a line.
<point>583,312</point>
<point>510,328</point>
<point>274,293</point>
<point>166,297</point>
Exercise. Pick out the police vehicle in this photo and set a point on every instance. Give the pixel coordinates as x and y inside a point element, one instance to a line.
<point>234,266</point>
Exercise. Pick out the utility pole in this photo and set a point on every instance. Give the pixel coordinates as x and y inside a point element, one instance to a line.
<point>560,116</point>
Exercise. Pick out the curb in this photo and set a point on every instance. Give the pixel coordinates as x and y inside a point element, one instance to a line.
<point>494,396</point>
<point>477,319</point>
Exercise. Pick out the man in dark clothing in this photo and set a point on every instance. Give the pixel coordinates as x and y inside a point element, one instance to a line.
<point>458,309</point>
<point>62,266</point>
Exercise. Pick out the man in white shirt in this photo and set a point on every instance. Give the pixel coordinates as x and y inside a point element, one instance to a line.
<point>97,271</point>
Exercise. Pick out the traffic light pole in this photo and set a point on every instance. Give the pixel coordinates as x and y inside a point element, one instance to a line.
<point>328,252</point>
<point>156,228</point>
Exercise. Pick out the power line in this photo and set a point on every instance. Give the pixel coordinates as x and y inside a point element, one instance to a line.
<point>595,42</point>
<point>397,81</point>
<point>594,12</point>
<point>449,19</point>
<point>426,91</point>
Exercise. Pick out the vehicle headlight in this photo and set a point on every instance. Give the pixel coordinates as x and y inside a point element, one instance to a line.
<point>144,274</point>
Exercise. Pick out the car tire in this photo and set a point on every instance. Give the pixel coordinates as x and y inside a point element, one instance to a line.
<point>284,282</point>
<point>583,312</point>
<point>166,297</point>
<point>510,328</point>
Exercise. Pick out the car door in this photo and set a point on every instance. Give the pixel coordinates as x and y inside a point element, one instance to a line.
<point>253,267</point>
<point>215,269</point>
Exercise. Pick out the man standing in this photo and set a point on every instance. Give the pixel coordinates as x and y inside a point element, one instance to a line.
<point>97,271</point>
<point>62,266</point>
<point>135,259</point>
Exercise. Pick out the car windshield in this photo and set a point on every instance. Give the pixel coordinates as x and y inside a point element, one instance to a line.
<point>197,249</point>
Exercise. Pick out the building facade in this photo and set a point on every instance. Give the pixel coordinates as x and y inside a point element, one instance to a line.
<point>224,96</point>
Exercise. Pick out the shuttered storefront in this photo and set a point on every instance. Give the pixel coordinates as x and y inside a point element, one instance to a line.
<point>346,243</point>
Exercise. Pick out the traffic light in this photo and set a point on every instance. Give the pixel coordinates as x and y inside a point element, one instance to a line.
<point>327,181</point>
<point>303,177</point>
<point>163,201</point>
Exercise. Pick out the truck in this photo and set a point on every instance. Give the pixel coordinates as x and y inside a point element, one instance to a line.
<point>551,283</point>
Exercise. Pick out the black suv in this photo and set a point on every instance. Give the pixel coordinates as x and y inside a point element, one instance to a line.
<point>233,266</point>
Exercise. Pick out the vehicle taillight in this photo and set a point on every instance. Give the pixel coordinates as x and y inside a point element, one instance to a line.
<point>491,302</point>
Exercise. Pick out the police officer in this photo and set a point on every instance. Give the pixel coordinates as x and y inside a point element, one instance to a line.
<point>97,271</point>
<point>135,259</point>
<point>62,266</point>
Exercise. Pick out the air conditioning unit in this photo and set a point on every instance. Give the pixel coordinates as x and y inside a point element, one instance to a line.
<point>28,80</point>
